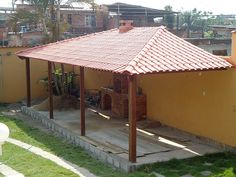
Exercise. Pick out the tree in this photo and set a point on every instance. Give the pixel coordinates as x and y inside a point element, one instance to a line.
<point>195,20</point>
<point>41,7</point>
<point>169,19</point>
<point>22,18</point>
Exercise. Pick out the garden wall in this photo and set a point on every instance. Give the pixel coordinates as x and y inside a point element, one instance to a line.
<point>13,76</point>
<point>202,103</point>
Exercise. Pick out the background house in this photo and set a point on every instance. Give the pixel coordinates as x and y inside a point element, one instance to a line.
<point>141,16</point>
<point>222,31</point>
<point>78,19</point>
<point>216,46</point>
<point>83,20</point>
<point>4,12</point>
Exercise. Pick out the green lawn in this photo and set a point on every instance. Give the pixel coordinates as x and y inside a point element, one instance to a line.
<point>30,164</point>
<point>221,164</point>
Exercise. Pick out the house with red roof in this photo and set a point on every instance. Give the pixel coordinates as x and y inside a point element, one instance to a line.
<point>147,73</point>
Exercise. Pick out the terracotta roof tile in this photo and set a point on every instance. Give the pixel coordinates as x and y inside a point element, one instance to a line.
<point>138,51</point>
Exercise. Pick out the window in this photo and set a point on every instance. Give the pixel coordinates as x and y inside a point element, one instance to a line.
<point>220,52</point>
<point>53,17</point>
<point>87,20</point>
<point>69,18</point>
<point>90,21</point>
<point>61,18</point>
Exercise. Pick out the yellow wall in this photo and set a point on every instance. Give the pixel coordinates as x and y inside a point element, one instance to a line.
<point>233,53</point>
<point>13,77</point>
<point>96,79</point>
<point>202,103</point>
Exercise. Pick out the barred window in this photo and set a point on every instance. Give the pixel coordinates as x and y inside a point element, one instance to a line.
<point>90,21</point>
<point>69,18</point>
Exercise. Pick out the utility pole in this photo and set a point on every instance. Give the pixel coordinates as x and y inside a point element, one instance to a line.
<point>203,25</point>
<point>146,18</point>
<point>118,19</point>
<point>13,2</point>
<point>58,20</point>
<point>94,18</point>
<point>177,24</point>
<point>188,26</point>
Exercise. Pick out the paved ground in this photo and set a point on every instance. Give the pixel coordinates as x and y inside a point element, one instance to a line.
<point>155,143</point>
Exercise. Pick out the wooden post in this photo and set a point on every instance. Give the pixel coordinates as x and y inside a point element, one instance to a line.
<point>132,119</point>
<point>82,102</point>
<point>50,92</point>
<point>28,82</point>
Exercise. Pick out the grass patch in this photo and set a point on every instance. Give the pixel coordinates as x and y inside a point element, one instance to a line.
<point>30,164</point>
<point>221,164</point>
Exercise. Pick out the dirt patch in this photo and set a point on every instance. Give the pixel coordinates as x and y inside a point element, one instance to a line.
<point>59,103</point>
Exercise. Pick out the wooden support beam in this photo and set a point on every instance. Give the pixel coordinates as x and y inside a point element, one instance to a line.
<point>28,81</point>
<point>50,91</point>
<point>82,102</point>
<point>132,119</point>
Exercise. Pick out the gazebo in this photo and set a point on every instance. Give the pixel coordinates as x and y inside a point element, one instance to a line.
<point>129,51</point>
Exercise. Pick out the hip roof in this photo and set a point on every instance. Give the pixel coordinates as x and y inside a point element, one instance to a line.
<point>139,51</point>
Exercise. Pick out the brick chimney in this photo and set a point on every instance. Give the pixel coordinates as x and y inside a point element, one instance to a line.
<point>125,25</point>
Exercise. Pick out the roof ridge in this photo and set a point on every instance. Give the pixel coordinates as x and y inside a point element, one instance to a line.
<point>136,58</point>
<point>194,46</point>
<point>155,37</point>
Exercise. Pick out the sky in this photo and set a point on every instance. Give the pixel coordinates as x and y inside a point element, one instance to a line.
<point>215,6</point>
